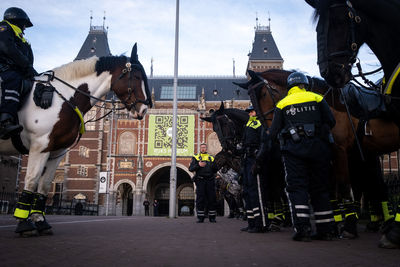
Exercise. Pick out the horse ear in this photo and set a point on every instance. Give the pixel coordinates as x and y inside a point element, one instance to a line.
<point>222,107</point>
<point>253,75</point>
<point>134,56</point>
<point>242,85</point>
<point>206,119</point>
<point>312,3</point>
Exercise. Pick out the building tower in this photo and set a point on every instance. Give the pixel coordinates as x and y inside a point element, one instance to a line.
<point>264,54</point>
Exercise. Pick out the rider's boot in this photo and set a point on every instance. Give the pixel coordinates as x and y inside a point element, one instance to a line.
<point>37,214</point>
<point>8,126</point>
<point>349,230</point>
<point>391,235</point>
<point>25,226</point>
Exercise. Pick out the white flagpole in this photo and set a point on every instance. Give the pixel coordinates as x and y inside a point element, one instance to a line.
<point>173,178</point>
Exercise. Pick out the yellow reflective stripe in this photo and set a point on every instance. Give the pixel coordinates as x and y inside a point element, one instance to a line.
<point>270,216</point>
<point>17,30</point>
<point>21,214</point>
<point>253,122</point>
<point>82,127</point>
<point>349,214</point>
<point>204,157</point>
<point>338,218</point>
<point>397,218</point>
<point>37,211</point>
<point>387,214</point>
<point>389,85</point>
<point>374,218</point>
<point>297,95</point>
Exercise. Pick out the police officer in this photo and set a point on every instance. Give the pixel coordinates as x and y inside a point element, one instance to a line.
<point>16,64</point>
<point>303,121</point>
<point>205,168</point>
<point>251,186</point>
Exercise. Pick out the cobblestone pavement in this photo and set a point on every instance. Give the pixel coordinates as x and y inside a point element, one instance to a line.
<point>160,241</point>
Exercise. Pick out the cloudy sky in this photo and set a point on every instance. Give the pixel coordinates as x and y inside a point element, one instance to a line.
<point>211,33</point>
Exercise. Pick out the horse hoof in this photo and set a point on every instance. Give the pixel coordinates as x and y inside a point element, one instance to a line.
<point>348,235</point>
<point>43,227</point>
<point>29,233</point>
<point>385,243</point>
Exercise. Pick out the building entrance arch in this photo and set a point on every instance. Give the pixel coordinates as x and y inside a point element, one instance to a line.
<point>156,185</point>
<point>124,190</point>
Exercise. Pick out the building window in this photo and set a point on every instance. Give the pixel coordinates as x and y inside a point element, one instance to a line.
<point>89,118</point>
<point>183,92</point>
<point>265,50</point>
<point>127,143</point>
<point>83,152</point>
<point>82,171</point>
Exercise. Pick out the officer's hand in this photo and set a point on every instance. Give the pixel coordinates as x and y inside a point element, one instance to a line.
<point>29,72</point>
<point>47,98</point>
<point>202,164</point>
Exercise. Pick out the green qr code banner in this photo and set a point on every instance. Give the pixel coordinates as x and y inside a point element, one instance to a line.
<point>160,135</point>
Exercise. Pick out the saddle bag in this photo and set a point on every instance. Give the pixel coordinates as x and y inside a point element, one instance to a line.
<point>43,95</point>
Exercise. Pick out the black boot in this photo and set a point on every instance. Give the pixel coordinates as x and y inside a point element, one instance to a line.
<point>8,126</point>
<point>200,220</point>
<point>37,214</point>
<point>26,228</point>
<point>302,234</point>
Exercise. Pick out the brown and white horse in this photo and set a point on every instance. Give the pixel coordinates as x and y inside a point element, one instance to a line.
<point>48,133</point>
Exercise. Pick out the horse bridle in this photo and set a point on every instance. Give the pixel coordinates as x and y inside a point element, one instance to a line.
<point>224,138</point>
<point>353,46</point>
<point>128,69</point>
<point>253,97</point>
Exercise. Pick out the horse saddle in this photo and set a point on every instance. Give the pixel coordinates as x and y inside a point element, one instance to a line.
<point>364,103</point>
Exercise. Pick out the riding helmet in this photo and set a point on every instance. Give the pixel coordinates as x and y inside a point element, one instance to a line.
<point>297,78</point>
<point>17,16</point>
<point>250,108</point>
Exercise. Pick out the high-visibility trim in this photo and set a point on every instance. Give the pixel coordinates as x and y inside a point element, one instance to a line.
<point>203,157</point>
<point>338,218</point>
<point>374,218</point>
<point>352,213</point>
<point>256,214</point>
<point>250,217</point>
<point>37,211</point>
<point>255,209</point>
<point>303,215</point>
<point>271,216</point>
<point>387,213</point>
<point>296,95</point>
<point>253,122</point>
<point>325,220</point>
<point>397,218</point>
<point>82,129</point>
<point>323,212</point>
<point>301,207</point>
<point>21,214</point>
<point>11,92</point>
<point>11,98</point>
<point>17,31</point>
<point>392,79</point>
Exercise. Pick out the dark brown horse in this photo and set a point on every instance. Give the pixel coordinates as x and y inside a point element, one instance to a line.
<point>267,88</point>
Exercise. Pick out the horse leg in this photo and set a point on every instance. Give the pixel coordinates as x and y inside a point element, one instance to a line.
<point>344,194</point>
<point>36,162</point>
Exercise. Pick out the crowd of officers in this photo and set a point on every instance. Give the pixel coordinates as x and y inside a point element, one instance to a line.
<point>301,128</point>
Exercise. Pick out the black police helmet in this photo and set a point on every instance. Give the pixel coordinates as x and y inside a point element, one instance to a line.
<point>17,16</point>
<point>297,78</point>
<point>250,108</point>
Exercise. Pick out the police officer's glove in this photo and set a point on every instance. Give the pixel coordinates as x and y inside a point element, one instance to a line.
<point>239,148</point>
<point>47,98</point>
<point>29,72</point>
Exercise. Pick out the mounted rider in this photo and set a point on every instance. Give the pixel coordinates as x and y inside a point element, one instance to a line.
<point>16,65</point>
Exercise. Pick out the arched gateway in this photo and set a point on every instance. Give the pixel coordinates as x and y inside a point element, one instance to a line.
<point>156,186</point>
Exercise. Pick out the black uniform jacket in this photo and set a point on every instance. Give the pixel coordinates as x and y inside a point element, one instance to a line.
<point>207,171</point>
<point>15,51</point>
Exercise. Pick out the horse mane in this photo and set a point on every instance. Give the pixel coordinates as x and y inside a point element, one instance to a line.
<point>110,63</point>
<point>277,76</point>
<point>76,69</point>
<point>237,114</point>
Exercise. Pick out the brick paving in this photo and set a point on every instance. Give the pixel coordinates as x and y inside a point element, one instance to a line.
<point>160,241</point>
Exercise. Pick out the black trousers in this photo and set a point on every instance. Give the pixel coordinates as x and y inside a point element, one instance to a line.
<point>307,166</point>
<point>206,196</point>
<point>10,92</point>
<point>251,194</point>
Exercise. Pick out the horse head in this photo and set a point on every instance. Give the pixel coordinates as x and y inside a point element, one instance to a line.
<point>340,34</point>
<point>131,86</point>
<point>224,127</point>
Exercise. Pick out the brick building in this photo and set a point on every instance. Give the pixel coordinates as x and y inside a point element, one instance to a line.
<point>120,161</point>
